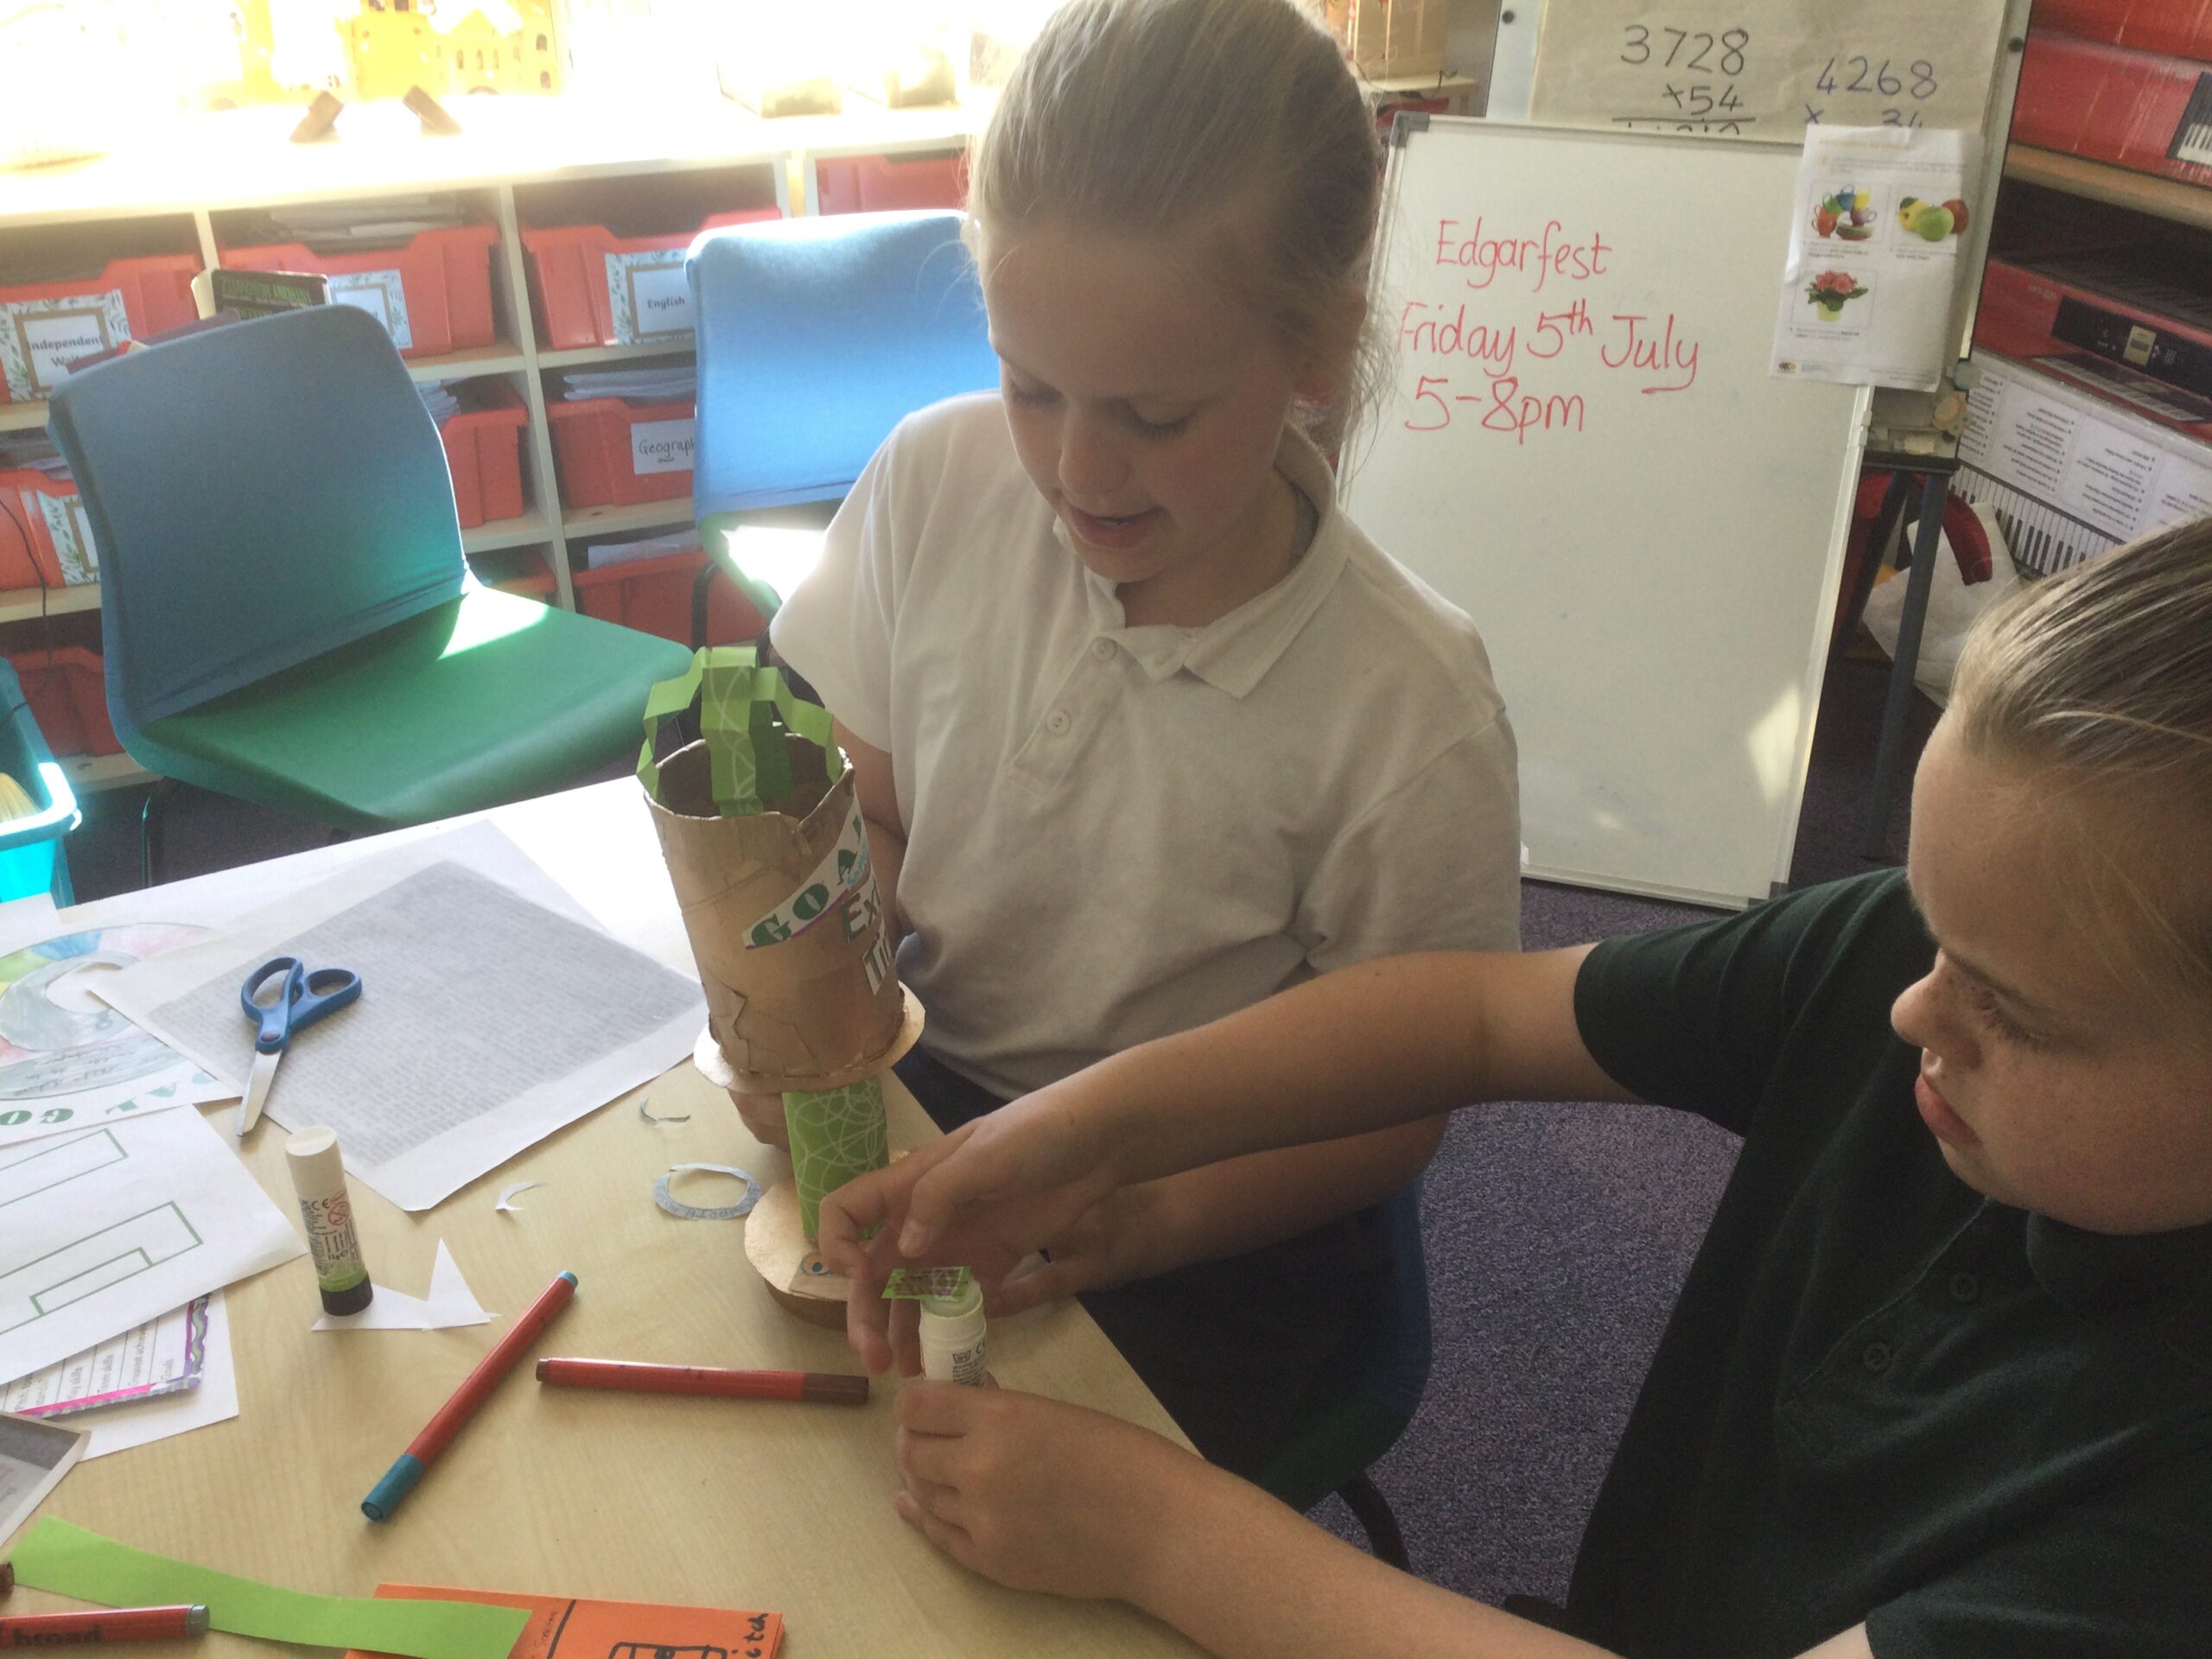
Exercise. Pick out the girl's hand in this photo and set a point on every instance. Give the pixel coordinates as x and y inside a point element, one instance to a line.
<point>1111,1243</point>
<point>1035,1494</point>
<point>763,1117</point>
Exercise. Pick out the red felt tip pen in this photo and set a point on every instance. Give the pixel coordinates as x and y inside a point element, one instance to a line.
<point>103,1625</point>
<point>823,1387</point>
<point>438,1433</point>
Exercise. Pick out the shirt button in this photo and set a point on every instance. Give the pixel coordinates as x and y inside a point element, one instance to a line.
<point>1101,649</point>
<point>1057,722</point>
<point>1964,1288</point>
<point>1877,1357</point>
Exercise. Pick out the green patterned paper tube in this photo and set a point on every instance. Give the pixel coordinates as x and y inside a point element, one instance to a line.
<point>835,1134</point>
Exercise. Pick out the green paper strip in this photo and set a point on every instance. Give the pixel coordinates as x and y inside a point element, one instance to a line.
<point>920,1284</point>
<point>745,708</point>
<point>70,1561</point>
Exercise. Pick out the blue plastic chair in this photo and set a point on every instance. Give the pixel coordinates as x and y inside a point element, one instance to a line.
<point>31,857</point>
<point>816,337</point>
<point>286,615</point>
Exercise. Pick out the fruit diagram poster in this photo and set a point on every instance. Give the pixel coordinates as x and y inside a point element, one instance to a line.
<point>1876,255</point>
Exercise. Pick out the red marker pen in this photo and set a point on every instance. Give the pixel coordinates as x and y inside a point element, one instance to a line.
<point>634,1376</point>
<point>438,1433</point>
<point>104,1624</point>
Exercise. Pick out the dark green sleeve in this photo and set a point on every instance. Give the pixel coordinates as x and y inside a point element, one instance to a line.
<point>1698,1018</point>
<point>2121,1574</point>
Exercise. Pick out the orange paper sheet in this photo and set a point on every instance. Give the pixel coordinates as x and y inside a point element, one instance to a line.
<point>562,1628</point>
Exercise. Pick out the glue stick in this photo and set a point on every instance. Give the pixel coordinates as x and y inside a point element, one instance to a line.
<point>319,1177</point>
<point>953,1336</point>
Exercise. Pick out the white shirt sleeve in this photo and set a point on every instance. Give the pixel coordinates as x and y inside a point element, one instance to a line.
<point>837,629</point>
<point>1435,865</point>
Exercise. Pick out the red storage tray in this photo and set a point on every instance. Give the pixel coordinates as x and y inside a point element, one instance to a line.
<point>156,290</point>
<point>445,278</point>
<point>484,454</point>
<point>28,556</point>
<point>876,184</point>
<point>67,688</point>
<point>604,460</point>
<point>2182,26</point>
<point>654,596</point>
<point>2108,104</point>
<point>568,275</point>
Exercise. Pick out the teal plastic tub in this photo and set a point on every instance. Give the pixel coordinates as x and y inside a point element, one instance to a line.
<point>31,858</point>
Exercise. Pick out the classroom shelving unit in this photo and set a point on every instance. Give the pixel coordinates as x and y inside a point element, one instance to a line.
<point>518,161</point>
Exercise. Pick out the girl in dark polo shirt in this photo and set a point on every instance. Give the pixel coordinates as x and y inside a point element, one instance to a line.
<point>1940,1381</point>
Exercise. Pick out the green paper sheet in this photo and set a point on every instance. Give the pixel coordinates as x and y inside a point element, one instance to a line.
<point>745,708</point>
<point>70,1561</point>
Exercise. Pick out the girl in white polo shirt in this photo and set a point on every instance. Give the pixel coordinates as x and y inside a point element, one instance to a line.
<point>1144,729</point>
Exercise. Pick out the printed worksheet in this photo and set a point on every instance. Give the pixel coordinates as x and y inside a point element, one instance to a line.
<point>105,1228</point>
<point>491,1013</point>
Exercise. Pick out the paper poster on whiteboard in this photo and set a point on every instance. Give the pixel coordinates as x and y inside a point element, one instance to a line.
<point>1765,69</point>
<point>1874,256</point>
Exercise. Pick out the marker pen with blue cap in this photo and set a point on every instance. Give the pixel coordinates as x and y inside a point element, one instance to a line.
<point>282,996</point>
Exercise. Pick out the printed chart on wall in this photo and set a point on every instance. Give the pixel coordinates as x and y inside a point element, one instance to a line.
<point>1765,69</point>
<point>1583,448</point>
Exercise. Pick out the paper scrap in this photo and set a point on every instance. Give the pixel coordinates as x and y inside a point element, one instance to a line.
<point>106,1228</point>
<point>1874,256</point>
<point>489,1019</point>
<point>621,1629</point>
<point>675,1206</point>
<point>163,1355</point>
<point>650,1116</point>
<point>34,1456</point>
<point>118,1428</point>
<point>70,1562</point>
<point>511,1192</point>
<point>449,1303</point>
<point>911,1284</point>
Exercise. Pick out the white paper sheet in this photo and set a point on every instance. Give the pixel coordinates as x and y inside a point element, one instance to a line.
<point>34,1456</point>
<point>1874,262</point>
<point>450,1302</point>
<point>216,1399</point>
<point>162,1355</point>
<point>1765,69</point>
<point>492,1011</point>
<point>110,1227</point>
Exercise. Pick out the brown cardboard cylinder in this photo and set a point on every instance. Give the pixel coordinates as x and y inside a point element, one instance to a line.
<point>804,1012</point>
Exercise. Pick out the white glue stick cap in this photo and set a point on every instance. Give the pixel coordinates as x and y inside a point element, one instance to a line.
<point>318,1168</point>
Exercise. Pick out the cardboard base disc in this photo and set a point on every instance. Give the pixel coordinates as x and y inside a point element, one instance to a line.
<point>788,1262</point>
<point>714,1066</point>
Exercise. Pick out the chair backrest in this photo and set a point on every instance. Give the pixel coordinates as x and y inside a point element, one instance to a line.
<point>260,494</point>
<point>816,337</point>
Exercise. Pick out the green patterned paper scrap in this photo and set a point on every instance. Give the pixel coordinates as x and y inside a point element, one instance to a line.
<point>835,1134</point>
<point>918,1284</point>
<point>70,1562</point>
<point>746,708</point>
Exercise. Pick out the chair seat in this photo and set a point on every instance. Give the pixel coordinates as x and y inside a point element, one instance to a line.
<point>485,699</point>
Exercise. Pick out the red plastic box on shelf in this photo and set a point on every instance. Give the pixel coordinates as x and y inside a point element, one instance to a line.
<point>653,595</point>
<point>876,184</point>
<point>154,292</point>
<point>67,688</point>
<point>575,287</point>
<point>2181,26</point>
<point>608,453</point>
<point>45,540</point>
<point>484,454</point>
<point>434,295</point>
<point>2135,110</point>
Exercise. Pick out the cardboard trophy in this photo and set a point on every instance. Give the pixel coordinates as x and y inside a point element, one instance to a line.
<point>766,848</point>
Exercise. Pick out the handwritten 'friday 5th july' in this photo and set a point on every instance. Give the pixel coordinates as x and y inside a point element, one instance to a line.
<point>1657,354</point>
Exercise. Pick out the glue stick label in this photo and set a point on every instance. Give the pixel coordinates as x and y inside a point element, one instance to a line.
<point>336,1252</point>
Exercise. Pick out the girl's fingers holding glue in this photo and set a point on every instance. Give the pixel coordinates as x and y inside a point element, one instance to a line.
<point>951,1539</point>
<point>905,1336</point>
<point>939,1409</point>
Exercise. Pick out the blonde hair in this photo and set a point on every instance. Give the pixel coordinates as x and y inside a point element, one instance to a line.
<point>1232,125</point>
<point>2104,674</point>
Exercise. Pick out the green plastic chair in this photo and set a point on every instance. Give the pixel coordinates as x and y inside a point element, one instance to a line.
<point>288,616</point>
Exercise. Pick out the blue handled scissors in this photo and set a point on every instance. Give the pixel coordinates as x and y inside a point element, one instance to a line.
<point>282,995</point>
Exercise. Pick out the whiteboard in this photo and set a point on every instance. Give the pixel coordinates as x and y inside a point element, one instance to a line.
<point>1582,448</point>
